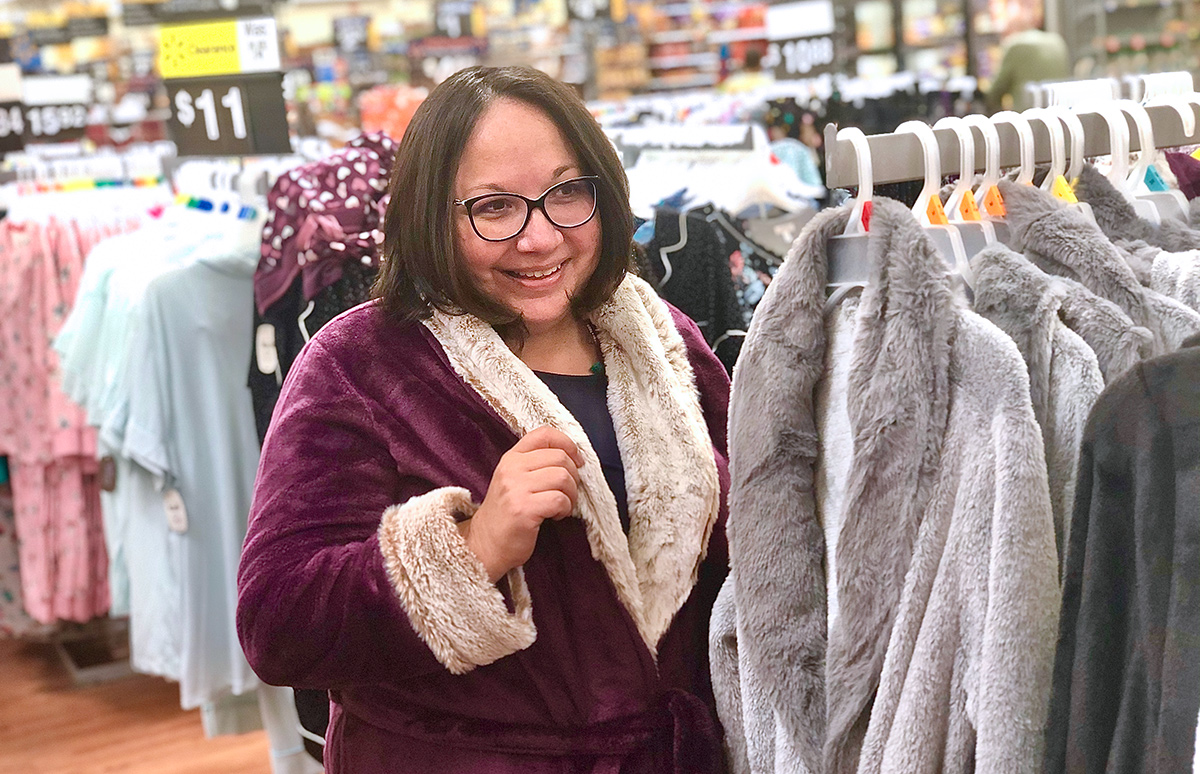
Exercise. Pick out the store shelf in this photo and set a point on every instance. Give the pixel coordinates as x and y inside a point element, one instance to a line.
<point>738,35</point>
<point>706,59</point>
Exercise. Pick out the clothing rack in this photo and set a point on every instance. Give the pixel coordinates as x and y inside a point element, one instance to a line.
<point>897,158</point>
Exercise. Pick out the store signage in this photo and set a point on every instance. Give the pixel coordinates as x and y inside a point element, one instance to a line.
<point>433,60</point>
<point>233,115</point>
<point>214,72</point>
<point>351,34</point>
<point>49,36</point>
<point>141,13</point>
<point>12,124</point>
<point>5,50</point>
<point>801,39</point>
<point>42,109</point>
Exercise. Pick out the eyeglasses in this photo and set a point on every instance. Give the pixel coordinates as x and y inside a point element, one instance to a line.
<point>497,217</point>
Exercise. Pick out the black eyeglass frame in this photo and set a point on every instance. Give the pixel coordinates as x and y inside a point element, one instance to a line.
<point>532,204</point>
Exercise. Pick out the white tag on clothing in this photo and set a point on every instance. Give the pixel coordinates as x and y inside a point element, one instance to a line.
<point>265,352</point>
<point>177,519</point>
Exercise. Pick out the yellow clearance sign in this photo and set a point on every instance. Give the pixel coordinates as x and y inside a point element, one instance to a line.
<point>218,48</point>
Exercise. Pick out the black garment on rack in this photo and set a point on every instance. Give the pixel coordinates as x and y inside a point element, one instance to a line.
<point>699,282</point>
<point>1126,687</point>
<point>294,322</point>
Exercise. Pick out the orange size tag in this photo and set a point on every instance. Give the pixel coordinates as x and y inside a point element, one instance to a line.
<point>993,203</point>
<point>968,209</point>
<point>937,214</point>
<point>1062,190</point>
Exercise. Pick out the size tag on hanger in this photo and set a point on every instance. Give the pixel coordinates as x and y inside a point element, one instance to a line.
<point>936,212</point>
<point>1196,153</point>
<point>1154,181</point>
<point>177,518</point>
<point>993,203</point>
<point>1061,189</point>
<point>968,209</point>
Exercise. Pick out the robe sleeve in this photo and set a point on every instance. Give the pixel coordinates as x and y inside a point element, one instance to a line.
<point>353,571</point>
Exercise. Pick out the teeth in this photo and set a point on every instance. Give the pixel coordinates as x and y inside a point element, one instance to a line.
<point>537,274</point>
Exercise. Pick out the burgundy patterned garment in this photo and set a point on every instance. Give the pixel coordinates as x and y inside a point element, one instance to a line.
<point>323,214</point>
<point>1187,171</point>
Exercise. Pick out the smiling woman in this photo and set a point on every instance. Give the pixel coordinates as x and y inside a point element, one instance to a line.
<point>489,516</point>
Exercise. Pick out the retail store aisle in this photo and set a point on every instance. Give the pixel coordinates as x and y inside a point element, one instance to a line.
<point>133,725</point>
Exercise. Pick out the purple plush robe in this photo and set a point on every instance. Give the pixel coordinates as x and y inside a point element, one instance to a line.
<point>373,414</point>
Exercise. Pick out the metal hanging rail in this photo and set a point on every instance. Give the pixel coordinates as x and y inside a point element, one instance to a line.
<point>897,158</point>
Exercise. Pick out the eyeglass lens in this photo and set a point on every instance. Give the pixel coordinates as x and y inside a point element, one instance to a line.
<point>569,204</point>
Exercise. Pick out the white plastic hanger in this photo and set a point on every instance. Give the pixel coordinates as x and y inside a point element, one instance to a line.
<point>1024,142</point>
<point>991,174</point>
<point>1167,204</point>
<point>976,232</point>
<point>1077,157</point>
<point>847,253</point>
<point>947,239</point>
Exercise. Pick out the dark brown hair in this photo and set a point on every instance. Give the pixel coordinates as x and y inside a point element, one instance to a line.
<point>421,270</point>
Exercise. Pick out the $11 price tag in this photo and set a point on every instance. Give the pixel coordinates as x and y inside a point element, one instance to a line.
<point>225,88</point>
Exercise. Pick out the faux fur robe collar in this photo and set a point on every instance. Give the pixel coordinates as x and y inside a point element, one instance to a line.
<point>670,472</point>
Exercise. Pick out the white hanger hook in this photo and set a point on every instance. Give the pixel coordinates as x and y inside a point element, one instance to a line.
<point>1175,90</point>
<point>1058,143</point>
<point>1024,141</point>
<point>1145,128</point>
<point>1078,154</point>
<point>966,162</point>
<point>866,176</point>
<point>933,165</point>
<point>1118,143</point>
<point>991,154</point>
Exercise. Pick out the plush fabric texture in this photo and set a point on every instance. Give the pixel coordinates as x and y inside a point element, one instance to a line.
<point>1178,322</point>
<point>726,682</point>
<point>1187,172</point>
<point>353,578</point>
<point>946,569</point>
<point>1140,257</point>
<point>1062,241</point>
<point>1127,672</point>
<point>1112,336</point>
<point>1177,275</point>
<point>1116,216</point>
<point>1064,374</point>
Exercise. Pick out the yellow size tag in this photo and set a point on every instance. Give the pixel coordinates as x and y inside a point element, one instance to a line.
<point>937,213</point>
<point>1196,153</point>
<point>968,209</point>
<point>993,203</point>
<point>1062,190</point>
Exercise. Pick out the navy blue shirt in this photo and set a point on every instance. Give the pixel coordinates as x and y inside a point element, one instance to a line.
<point>586,397</point>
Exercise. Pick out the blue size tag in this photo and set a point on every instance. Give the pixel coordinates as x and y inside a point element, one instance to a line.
<point>1154,180</point>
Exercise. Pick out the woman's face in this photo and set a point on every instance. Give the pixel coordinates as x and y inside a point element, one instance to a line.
<point>515,148</point>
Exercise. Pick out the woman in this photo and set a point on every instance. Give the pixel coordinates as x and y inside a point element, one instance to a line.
<point>451,533</point>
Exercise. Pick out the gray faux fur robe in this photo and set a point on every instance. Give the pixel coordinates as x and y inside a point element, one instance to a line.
<point>1064,374</point>
<point>931,649</point>
<point>1061,241</point>
<point>1117,218</point>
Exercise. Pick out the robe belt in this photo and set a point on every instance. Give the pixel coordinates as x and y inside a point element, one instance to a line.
<point>679,728</point>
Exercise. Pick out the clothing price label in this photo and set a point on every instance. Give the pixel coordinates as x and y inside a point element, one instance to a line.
<point>177,518</point>
<point>213,116</point>
<point>801,39</point>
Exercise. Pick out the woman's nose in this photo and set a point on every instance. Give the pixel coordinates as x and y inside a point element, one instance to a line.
<point>540,235</point>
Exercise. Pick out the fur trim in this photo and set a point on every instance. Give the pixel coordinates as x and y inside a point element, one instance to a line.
<point>1117,218</point>
<point>1178,275</point>
<point>670,469</point>
<point>1177,321</point>
<point>445,589</point>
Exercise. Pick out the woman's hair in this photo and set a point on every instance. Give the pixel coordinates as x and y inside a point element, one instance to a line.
<point>421,269</point>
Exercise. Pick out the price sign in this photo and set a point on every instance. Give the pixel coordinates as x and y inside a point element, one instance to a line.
<point>87,27</point>
<point>213,116</point>
<point>801,39</point>
<point>54,108</point>
<point>214,72</point>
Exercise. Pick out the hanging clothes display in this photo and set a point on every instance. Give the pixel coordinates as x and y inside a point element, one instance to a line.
<point>1127,674</point>
<point>892,538</point>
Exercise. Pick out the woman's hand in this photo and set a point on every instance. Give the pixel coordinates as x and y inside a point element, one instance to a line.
<point>537,479</point>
